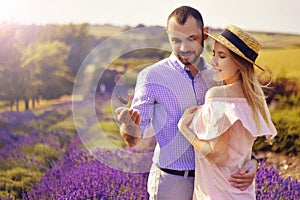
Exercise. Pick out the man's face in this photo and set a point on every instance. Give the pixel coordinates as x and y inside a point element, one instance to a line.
<point>186,40</point>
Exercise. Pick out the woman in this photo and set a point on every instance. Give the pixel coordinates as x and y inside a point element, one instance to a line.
<point>223,130</point>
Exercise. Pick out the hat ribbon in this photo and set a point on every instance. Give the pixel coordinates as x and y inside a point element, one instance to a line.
<point>240,44</point>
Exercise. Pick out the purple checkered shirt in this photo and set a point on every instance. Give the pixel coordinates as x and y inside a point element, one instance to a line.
<point>163,92</point>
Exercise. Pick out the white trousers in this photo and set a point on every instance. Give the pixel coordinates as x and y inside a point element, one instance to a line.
<point>164,186</point>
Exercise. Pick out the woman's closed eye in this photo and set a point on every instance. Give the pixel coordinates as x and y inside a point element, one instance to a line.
<point>220,55</point>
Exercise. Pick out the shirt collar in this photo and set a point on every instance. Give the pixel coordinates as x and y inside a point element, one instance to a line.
<point>174,59</point>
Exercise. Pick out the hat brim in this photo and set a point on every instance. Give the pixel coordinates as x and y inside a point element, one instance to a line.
<point>223,41</point>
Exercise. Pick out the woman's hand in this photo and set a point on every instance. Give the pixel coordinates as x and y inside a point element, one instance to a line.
<point>187,118</point>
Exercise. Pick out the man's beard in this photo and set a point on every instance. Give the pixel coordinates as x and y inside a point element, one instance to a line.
<point>189,61</point>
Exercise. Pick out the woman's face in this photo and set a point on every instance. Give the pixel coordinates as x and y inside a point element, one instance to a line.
<point>225,68</point>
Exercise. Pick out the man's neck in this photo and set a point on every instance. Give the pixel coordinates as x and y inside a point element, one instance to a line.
<point>193,70</point>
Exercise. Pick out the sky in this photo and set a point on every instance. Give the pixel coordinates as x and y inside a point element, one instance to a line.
<point>257,15</point>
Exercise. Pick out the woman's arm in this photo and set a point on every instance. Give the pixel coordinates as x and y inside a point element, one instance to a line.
<point>200,145</point>
<point>215,149</point>
<point>219,146</point>
<point>184,122</point>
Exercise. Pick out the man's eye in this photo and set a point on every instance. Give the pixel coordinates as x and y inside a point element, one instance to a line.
<point>175,41</point>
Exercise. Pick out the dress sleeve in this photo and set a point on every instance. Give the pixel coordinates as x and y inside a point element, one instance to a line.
<point>216,117</point>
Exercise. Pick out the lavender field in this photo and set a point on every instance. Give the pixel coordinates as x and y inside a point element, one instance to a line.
<point>42,157</point>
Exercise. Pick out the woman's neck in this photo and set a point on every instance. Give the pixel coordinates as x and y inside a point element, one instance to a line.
<point>235,89</point>
<point>236,77</point>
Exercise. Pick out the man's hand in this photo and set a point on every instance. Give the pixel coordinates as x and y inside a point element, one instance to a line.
<point>244,178</point>
<point>128,116</point>
<point>131,141</point>
<point>129,130</point>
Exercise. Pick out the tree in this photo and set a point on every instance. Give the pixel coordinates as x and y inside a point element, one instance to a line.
<point>10,53</point>
<point>76,36</point>
<point>46,75</point>
<point>40,61</point>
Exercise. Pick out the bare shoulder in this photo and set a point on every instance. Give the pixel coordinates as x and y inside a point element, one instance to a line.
<point>231,91</point>
<point>216,91</point>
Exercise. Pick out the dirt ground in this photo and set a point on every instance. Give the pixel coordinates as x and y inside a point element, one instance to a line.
<point>288,166</point>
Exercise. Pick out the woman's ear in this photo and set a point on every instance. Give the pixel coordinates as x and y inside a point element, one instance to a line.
<point>206,30</point>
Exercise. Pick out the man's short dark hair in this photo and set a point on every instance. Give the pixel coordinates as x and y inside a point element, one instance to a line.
<point>182,13</point>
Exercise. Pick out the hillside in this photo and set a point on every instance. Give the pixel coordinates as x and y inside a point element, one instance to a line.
<point>267,39</point>
<point>280,51</point>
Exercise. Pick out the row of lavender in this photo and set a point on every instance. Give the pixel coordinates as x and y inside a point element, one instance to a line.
<point>77,174</point>
<point>81,176</point>
<point>30,145</point>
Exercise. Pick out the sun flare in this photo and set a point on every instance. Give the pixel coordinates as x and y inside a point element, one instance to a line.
<point>15,11</point>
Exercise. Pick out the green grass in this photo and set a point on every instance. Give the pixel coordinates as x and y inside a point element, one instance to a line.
<point>277,40</point>
<point>18,179</point>
<point>39,107</point>
<point>285,116</point>
<point>109,127</point>
<point>104,134</point>
<point>134,62</point>
<point>282,62</point>
<point>66,125</point>
<point>107,109</point>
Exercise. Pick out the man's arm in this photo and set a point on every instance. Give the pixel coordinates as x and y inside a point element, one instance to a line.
<point>133,122</point>
<point>244,178</point>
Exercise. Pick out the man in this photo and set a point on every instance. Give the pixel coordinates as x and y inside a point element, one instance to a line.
<point>163,92</point>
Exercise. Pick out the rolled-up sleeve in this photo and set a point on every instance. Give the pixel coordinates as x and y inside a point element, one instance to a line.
<point>144,100</point>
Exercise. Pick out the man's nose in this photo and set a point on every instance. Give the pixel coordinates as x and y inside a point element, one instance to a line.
<point>184,47</point>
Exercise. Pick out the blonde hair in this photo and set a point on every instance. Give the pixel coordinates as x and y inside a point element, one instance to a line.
<point>252,89</point>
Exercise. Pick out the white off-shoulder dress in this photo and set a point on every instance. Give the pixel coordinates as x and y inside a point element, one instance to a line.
<point>211,120</point>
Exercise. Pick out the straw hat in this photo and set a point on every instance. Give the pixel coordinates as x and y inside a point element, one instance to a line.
<point>240,42</point>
